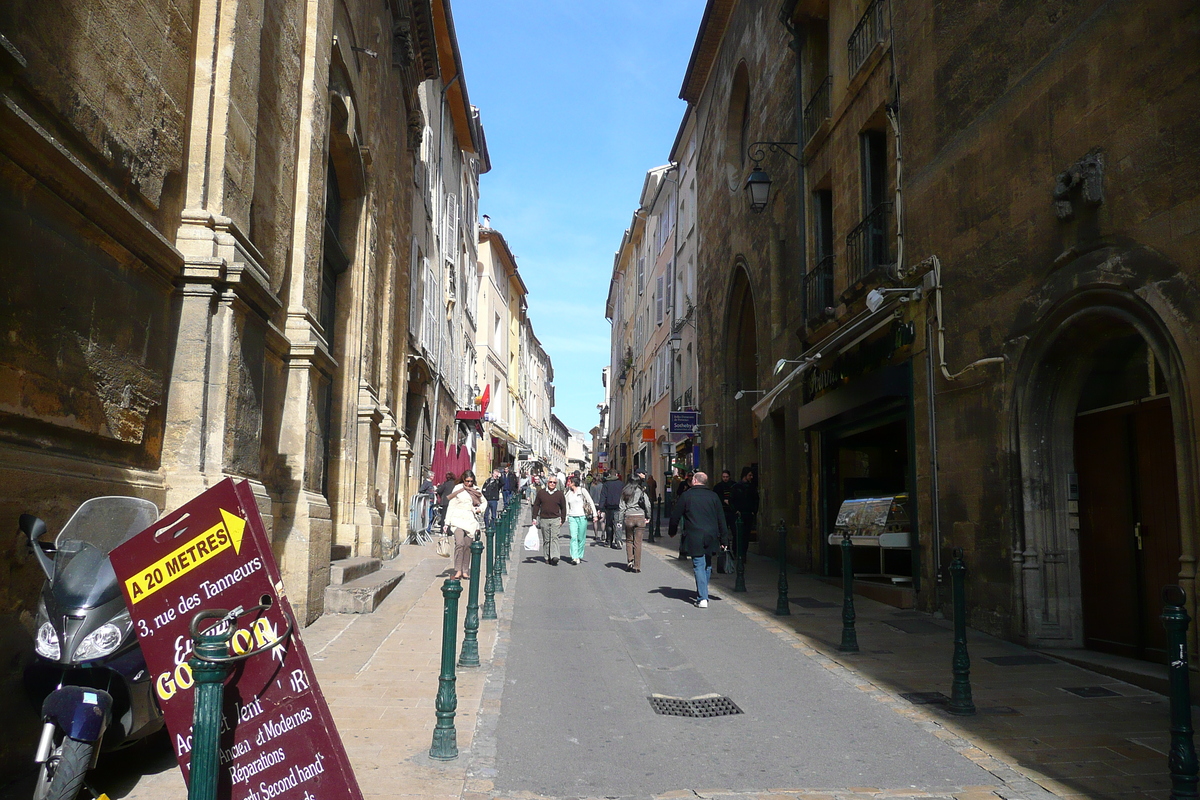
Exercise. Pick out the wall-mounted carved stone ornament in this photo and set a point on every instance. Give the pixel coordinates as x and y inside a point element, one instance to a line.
<point>1082,181</point>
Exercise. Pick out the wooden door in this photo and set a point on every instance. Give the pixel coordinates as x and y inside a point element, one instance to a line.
<point>1129,525</point>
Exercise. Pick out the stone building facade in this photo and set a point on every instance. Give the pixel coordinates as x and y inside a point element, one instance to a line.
<point>209,213</point>
<point>971,287</point>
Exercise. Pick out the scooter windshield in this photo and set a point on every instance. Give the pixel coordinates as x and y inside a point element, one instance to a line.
<point>83,576</point>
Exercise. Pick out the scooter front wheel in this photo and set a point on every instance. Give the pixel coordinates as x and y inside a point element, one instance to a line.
<point>61,777</point>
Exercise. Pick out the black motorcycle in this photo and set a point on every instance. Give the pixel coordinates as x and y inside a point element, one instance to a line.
<point>90,676</point>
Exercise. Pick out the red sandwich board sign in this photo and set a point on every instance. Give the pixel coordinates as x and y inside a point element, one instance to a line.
<point>278,740</point>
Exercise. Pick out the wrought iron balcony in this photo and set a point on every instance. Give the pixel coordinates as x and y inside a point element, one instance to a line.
<point>818,291</point>
<point>867,245</point>
<point>869,32</point>
<point>817,110</point>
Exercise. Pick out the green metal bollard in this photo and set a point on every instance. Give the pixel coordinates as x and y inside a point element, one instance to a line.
<point>849,635</point>
<point>505,534</point>
<point>782,607</point>
<point>209,698</point>
<point>489,586</point>
<point>445,737</point>
<point>739,583</point>
<point>960,691</point>
<point>469,657</point>
<point>1181,759</point>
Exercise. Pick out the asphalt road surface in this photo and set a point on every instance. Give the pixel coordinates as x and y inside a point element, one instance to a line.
<point>590,644</point>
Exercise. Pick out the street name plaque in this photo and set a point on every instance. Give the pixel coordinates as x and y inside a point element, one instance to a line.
<point>278,740</point>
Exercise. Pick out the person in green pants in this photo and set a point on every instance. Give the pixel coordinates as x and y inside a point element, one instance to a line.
<point>580,508</point>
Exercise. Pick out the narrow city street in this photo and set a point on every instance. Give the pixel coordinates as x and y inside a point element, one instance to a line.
<point>592,643</point>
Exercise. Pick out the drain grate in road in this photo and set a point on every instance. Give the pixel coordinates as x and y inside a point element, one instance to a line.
<point>1091,691</point>
<point>707,706</point>
<point>1019,661</point>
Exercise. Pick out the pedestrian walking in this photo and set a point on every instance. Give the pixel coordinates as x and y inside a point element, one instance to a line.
<point>492,489</point>
<point>635,514</point>
<point>509,483</point>
<point>652,490</point>
<point>612,507</point>
<point>580,508</point>
<point>704,531</point>
<point>724,490</point>
<point>743,499</point>
<point>550,511</point>
<point>596,490</point>
<point>464,507</point>
<point>443,497</point>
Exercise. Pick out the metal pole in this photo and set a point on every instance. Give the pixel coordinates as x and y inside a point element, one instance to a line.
<point>739,583</point>
<point>849,636</point>
<point>782,608</point>
<point>960,692</point>
<point>445,737</point>
<point>209,697</point>
<point>489,587</point>
<point>1181,759</point>
<point>469,657</point>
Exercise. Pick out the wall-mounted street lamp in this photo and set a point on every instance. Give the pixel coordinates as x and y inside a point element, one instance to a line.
<point>758,185</point>
<point>743,392</point>
<point>783,362</point>
<point>675,342</point>
<point>877,297</point>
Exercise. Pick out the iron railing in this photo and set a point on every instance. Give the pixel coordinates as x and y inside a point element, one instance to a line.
<point>867,245</point>
<point>689,398</point>
<point>817,110</point>
<point>818,291</point>
<point>868,33</point>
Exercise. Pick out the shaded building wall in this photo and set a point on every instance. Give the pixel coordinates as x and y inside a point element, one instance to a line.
<point>995,104</point>
<point>747,265</point>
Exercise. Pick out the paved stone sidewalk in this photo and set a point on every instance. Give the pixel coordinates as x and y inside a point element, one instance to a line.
<point>1029,730</point>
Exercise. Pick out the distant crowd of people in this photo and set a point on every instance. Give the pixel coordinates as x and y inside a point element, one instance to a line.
<point>620,513</point>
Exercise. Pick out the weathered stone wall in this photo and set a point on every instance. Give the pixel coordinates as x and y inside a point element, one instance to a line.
<point>765,245</point>
<point>995,102</point>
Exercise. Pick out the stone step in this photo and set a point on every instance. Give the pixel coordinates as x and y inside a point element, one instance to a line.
<point>346,570</point>
<point>338,552</point>
<point>361,596</point>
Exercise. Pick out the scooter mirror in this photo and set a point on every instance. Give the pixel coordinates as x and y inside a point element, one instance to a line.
<point>35,529</point>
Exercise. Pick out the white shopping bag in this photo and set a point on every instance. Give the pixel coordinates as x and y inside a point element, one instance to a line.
<point>532,540</point>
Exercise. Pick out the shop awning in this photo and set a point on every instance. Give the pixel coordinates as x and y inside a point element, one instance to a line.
<point>837,342</point>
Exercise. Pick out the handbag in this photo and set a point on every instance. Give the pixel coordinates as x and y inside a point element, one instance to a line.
<point>445,546</point>
<point>725,563</point>
<point>532,540</point>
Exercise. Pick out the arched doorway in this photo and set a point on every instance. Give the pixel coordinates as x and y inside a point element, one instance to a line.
<point>741,369</point>
<point>1129,536</point>
<point>1096,420</point>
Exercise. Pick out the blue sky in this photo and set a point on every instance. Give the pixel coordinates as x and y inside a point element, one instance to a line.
<point>578,100</point>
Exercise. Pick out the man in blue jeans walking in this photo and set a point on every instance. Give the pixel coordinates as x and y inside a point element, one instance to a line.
<point>491,493</point>
<point>704,530</point>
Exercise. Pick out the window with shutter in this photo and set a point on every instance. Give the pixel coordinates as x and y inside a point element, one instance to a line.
<point>641,274</point>
<point>659,300</point>
<point>669,296</point>
<point>415,311</point>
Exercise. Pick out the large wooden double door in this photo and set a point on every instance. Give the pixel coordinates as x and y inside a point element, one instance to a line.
<point>1129,537</point>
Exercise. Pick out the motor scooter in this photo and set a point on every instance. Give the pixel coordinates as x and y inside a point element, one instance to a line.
<point>90,676</point>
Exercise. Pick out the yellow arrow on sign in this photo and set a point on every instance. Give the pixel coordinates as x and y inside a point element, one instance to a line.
<point>187,557</point>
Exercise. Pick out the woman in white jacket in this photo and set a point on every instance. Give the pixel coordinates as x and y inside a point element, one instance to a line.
<point>580,508</point>
<point>466,503</point>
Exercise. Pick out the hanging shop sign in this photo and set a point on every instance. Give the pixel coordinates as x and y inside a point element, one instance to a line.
<point>684,421</point>
<point>648,435</point>
<point>278,739</point>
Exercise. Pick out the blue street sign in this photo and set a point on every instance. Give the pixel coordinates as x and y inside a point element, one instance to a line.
<point>684,421</point>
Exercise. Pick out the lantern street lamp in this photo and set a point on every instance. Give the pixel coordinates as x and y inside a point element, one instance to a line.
<point>758,184</point>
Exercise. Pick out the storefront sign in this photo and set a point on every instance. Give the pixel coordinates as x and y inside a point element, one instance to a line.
<point>278,740</point>
<point>684,421</point>
<point>648,434</point>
